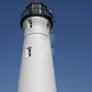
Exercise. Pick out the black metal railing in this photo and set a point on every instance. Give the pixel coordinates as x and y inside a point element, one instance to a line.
<point>37,12</point>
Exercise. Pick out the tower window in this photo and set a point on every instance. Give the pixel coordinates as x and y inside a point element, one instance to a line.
<point>48,25</point>
<point>30,23</point>
<point>28,52</point>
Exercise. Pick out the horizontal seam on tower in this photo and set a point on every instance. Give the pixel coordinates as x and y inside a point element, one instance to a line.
<point>36,33</point>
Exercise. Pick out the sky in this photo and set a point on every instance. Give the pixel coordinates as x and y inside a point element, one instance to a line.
<point>72,43</point>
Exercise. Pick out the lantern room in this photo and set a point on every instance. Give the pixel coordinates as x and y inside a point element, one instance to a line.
<point>37,9</point>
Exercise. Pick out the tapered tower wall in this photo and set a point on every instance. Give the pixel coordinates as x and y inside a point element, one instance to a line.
<point>37,69</point>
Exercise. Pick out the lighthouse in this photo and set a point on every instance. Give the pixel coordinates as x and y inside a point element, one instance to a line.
<point>37,69</point>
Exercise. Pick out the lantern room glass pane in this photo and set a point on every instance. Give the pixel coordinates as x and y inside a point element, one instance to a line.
<point>36,6</point>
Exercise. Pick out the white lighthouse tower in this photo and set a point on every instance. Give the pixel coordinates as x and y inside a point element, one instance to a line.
<point>37,70</point>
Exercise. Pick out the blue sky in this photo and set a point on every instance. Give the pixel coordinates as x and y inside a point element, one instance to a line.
<point>72,44</point>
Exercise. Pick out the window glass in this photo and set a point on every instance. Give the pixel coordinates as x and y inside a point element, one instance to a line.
<point>28,52</point>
